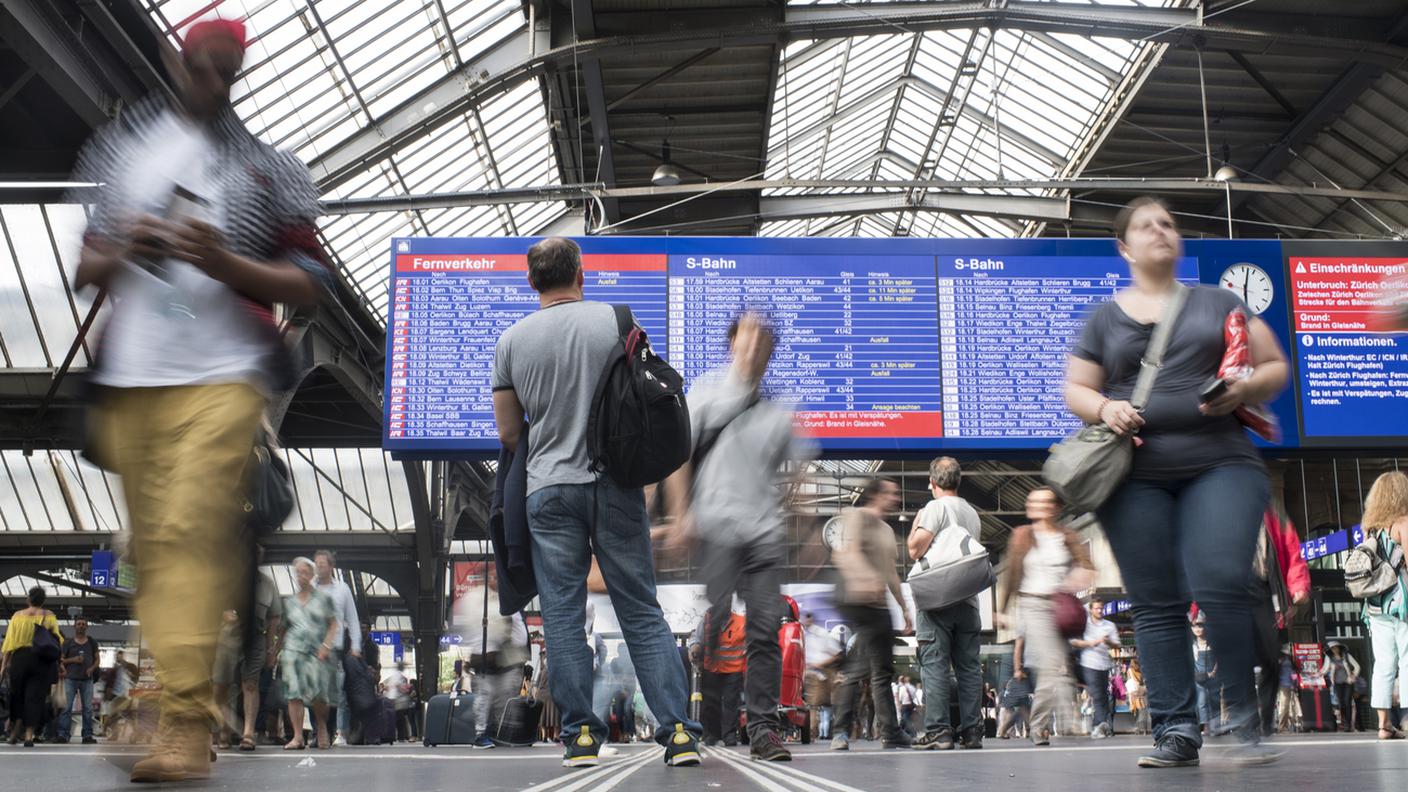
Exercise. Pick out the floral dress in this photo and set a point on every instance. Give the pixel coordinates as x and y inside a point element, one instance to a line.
<point>306,678</point>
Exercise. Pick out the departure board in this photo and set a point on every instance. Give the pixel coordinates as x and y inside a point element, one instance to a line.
<point>857,338</point>
<point>1006,325</point>
<point>447,313</point>
<point>891,347</point>
<point>1352,375</point>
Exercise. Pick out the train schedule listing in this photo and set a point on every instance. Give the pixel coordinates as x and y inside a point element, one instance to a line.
<point>447,313</point>
<point>1353,378</point>
<point>857,344</point>
<point>1006,324</point>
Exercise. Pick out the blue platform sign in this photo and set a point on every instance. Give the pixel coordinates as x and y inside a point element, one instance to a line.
<point>103,572</point>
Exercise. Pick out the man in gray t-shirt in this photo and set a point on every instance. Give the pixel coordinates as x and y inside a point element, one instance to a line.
<point>546,369</point>
<point>726,500</point>
<point>951,635</point>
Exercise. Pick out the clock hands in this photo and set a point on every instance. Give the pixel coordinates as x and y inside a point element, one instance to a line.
<point>1246,284</point>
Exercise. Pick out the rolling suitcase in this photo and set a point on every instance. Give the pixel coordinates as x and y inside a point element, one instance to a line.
<point>379,725</point>
<point>449,720</point>
<point>518,723</point>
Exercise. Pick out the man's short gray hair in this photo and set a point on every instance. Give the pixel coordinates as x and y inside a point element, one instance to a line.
<point>945,472</point>
<point>553,263</point>
<point>303,561</point>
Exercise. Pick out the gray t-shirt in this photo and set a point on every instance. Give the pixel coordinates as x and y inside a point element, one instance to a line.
<point>553,358</point>
<point>735,501</point>
<point>937,517</point>
<point>1178,440</point>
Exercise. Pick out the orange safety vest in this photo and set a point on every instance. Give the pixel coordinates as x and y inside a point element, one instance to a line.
<point>731,655</point>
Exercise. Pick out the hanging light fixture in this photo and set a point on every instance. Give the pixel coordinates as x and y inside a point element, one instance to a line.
<point>667,175</point>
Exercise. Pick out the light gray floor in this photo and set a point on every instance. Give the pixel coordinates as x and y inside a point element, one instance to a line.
<point>1311,762</point>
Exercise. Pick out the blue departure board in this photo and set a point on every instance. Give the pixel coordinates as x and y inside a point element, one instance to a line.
<point>857,338</point>
<point>450,302</point>
<point>1007,323</point>
<point>891,347</point>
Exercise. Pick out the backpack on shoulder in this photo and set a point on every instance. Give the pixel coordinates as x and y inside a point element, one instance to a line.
<point>1368,573</point>
<point>638,432</point>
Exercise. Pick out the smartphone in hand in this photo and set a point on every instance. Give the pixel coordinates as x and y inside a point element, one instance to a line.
<point>1212,391</point>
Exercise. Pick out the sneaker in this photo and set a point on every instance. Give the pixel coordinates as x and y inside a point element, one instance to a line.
<point>730,743</point>
<point>1041,738</point>
<point>1254,753</point>
<point>1101,732</point>
<point>61,741</point>
<point>941,740</point>
<point>582,752</point>
<point>339,741</point>
<point>682,749</point>
<point>1171,751</point>
<point>898,740</point>
<point>90,741</point>
<point>840,743</point>
<point>972,739</point>
<point>768,748</point>
<point>484,742</point>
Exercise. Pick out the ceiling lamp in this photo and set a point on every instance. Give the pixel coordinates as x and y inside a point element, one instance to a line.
<point>667,175</point>
<point>1225,173</point>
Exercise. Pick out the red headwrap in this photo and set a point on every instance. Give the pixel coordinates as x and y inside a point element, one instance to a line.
<point>209,29</point>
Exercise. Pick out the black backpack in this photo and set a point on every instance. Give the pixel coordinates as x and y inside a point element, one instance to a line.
<point>638,432</point>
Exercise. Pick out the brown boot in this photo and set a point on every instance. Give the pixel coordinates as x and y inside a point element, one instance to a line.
<point>180,752</point>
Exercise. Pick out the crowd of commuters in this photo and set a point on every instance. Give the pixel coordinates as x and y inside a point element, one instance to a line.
<point>191,354</point>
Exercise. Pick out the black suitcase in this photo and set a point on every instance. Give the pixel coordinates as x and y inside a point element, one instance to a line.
<point>1317,714</point>
<point>449,720</point>
<point>518,723</point>
<point>379,727</point>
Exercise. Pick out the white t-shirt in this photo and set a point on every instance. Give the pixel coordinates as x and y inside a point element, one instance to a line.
<point>1098,657</point>
<point>1046,565</point>
<point>941,514</point>
<point>192,329</point>
<point>821,646</point>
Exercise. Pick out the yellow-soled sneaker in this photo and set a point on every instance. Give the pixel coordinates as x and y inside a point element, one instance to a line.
<point>582,751</point>
<point>682,750</point>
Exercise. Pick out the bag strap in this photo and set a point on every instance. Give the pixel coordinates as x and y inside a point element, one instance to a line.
<point>1153,359</point>
<point>707,442</point>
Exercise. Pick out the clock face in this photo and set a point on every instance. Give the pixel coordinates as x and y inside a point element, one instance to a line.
<point>1251,283</point>
<point>833,532</point>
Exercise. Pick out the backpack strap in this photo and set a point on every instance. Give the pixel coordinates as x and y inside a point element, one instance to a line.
<point>625,322</point>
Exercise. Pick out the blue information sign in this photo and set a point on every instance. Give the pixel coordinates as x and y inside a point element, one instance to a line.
<point>102,572</point>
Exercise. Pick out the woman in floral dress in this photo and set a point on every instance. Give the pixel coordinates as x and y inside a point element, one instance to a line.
<point>309,677</point>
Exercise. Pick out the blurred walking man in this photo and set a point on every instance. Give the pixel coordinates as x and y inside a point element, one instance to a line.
<point>547,366</point>
<point>726,500</point>
<point>197,230</point>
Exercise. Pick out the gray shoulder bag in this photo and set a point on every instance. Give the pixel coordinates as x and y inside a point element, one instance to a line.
<point>1087,467</point>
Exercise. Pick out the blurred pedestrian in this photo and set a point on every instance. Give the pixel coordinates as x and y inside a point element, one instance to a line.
<point>866,558</point>
<point>1044,559</point>
<point>1197,481</point>
<point>349,636</point>
<point>30,654</point>
<point>1386,519</point>
<point>546,366</point>
<point>244,653</point>
<point>498,648</point>
<point>725,499</point>
<point>306,655</point>
<point>197,229</point>
<point>824,655</point>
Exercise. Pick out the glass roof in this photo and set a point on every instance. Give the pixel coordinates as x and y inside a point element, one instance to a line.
<point>342,489</point>
<point>950,104</point>
<point>316,74</point>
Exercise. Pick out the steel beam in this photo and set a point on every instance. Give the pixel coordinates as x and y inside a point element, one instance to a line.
<point>795,207</point>
<point>45,45</point>
<point>584,28</point>
<point>516,58</point>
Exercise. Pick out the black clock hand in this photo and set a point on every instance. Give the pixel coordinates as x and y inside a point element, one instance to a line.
<point>1246,285</point>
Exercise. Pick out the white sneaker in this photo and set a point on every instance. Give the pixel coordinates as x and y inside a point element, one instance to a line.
<point>608,750</point>
<point>340,741</point>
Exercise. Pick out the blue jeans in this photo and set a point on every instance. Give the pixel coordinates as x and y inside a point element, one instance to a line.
<point>73,687</point>
<point>569,522</point>
<point>1097,686</point>
<point>1207,526</point>
<point>951,637</point>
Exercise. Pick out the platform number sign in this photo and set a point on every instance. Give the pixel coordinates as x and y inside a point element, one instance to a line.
<point>103,570</point>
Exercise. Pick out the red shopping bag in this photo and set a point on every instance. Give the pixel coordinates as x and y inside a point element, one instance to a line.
<point>1237,365</point>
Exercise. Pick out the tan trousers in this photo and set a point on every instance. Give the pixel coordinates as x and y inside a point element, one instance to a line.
<point>181,453</point>
<point>1048,653</point>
